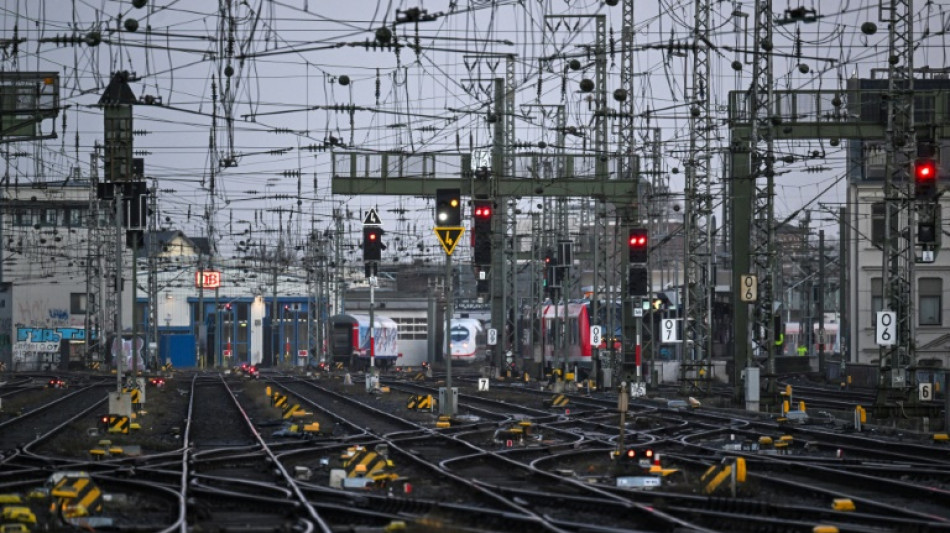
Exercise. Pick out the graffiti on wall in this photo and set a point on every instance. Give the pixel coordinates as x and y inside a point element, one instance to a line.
<point>49,334</point>
<point>45,339</point>
<point>42,313</point>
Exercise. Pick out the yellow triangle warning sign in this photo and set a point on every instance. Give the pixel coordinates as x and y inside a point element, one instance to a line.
<point>449,237</point>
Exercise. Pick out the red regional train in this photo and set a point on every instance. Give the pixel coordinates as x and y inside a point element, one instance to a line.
<point>565,332</point>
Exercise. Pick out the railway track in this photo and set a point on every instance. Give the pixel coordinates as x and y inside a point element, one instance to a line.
<point>220,450</point>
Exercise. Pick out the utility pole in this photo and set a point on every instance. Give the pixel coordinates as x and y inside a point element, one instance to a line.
<point>625,160</point>
<point>498,229</point>
<point>153,271</point>
<point>820,303</point>
<point>806,330</point>
<point>119,245</point>
<point>95,278</point>
<point>275,335</point>
<point>844,294</point>
<point>509,250</point>
<point>202,333</point>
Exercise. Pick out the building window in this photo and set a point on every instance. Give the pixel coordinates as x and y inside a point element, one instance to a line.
<point>929,303</point>
<point>877,298</point>
<point>877,223</point>
<point>47,217</point>
<point>412,328</point>
<point>74,217</point>
<point>23,217</point>
<point>77,303</point>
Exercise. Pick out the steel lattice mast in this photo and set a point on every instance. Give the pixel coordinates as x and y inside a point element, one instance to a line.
<point>763,175</point>
<point>900,148</point>
<point>698,202</point>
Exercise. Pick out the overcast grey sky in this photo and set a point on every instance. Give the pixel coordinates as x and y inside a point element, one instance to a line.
<point>255,83</point>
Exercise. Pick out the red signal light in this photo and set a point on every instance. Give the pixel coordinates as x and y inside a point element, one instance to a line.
<point>925,178</point>
<point>482,211</point>
<point>631,453</point>
<point>925,169</point>
<point>637,242</point>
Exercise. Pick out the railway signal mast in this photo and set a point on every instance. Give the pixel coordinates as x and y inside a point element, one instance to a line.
<point>372,253</point>
<point>448,228</point>
<point>638,278</point>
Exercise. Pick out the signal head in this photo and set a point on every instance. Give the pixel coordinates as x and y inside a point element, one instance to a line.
<point>925,178</point>
<point>637,244</point>
<point>925,169</point>
<point>448,207</point>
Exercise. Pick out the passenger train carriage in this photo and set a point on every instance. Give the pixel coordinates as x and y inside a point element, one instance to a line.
<point>350,340</point>
<point>794,338</point>
<point>565,332</point>
<point>467,340</point>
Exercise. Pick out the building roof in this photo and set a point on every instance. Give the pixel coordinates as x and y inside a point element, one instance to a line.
<point>202,244</point>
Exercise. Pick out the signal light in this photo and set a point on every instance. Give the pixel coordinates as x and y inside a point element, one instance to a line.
<point>482,210</point>
<point>631,454</point>
<point>481,232</point>
<point>778,329</point>
<point>372,243</point>
<point>925,178</point>
<point>448,207</point>
<point>637,243</point>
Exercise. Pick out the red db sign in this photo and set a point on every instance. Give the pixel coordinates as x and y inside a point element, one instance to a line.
<point>207,279</point>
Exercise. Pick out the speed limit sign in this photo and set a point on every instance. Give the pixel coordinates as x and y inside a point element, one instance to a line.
<point>492,336</point>
<point>925,392</point>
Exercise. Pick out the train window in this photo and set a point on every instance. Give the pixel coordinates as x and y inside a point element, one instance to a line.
<point>459,334</point>
<point>929,292</point>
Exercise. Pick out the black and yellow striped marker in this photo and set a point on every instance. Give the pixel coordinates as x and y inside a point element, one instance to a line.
<point>78,491</point>
<point>559,400</point>
<point>118,424</point>
<point>422,401</point>
<point>371,461</point>
<point>715,475</point>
